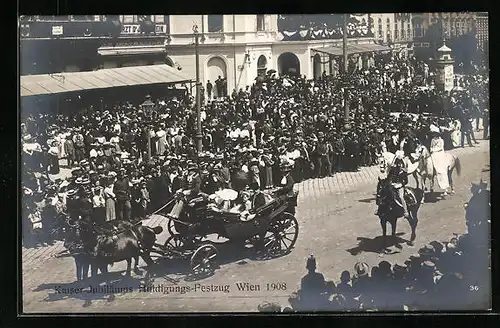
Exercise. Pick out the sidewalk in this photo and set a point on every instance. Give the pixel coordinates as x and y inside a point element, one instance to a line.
<point>308,190</point>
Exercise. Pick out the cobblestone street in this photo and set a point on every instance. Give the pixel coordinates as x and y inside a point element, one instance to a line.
<point>335,215</point>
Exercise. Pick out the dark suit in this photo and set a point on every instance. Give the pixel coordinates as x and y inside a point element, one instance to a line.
<point>123,205</point>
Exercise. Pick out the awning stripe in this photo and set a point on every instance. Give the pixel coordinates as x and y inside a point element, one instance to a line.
<point>105,78</point>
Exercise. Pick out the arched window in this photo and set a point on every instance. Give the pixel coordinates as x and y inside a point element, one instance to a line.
<point>261,25</point>
<point>262,66</point>
<point>396,31</point>
<point>363,21</point>
<point>215,23</point>
<point>418,30</point>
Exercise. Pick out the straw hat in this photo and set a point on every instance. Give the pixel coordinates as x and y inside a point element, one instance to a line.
<point>361,269</point>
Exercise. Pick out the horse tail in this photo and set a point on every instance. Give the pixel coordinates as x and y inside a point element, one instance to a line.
<point>458,165</point>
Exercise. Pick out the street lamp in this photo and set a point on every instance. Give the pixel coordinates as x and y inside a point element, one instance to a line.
<point>198,85</point>
<point>346,68</point>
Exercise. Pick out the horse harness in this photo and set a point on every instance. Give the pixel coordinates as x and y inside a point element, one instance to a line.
<point>410,196</point>
<point>115,233</point>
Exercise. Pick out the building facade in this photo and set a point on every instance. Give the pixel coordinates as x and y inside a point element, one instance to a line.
<point>431,28</point>
<point>481,25</point>
<point>235,47</point>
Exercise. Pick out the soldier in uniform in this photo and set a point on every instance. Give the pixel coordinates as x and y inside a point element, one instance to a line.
<point>398,179</point>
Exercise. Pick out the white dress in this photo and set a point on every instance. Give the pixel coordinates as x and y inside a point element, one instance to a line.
<point>455,135</point>
<point>440,162</point>
<point>61,138</point>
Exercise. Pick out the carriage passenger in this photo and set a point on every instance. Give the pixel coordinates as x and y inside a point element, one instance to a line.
<point>244,207</point>
<point>191,190</point>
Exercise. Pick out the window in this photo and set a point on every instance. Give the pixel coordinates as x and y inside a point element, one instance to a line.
<point>363,22</point>
<point>396,34</point>
<point>418,30</point>
<point>128,19</point>
<point>83,17</point>
<point>159,19</point>
<point>112,17</point>
<point>262,66</point>
<point>143,18</point>
<point>261,23</point>
<point>215,23</point>
<point>403,34</point>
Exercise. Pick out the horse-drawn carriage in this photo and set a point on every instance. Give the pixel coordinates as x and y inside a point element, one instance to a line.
<point>273,231</point>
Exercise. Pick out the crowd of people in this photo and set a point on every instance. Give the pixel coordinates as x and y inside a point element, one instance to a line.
<point>128,160</point>
<point>444,276</point>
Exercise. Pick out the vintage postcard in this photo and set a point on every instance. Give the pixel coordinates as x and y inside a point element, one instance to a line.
<point>255,163</point>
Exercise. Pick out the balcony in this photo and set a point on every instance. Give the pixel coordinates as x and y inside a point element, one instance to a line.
<point>214,38</point>
<point>64,29</point>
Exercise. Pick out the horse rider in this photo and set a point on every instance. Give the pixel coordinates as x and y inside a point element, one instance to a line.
<point>398,178</point>
<point>392,144</point>
<point>409,145</point>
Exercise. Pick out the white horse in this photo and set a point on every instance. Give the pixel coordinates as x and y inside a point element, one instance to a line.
<point>440,166</point>
<point>424,168</point>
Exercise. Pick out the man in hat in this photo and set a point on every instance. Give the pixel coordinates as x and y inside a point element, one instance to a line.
<point>84,205</point>
<point>79,144</point>
<point>338,153</point>
<point>361,282</point>
<point>122,191</point>
<point>286,183</point>
<point>69,149</point>
<point>190,191</point>
<point>254,174</point>
<point>312,286</point>
<point>323,150</point>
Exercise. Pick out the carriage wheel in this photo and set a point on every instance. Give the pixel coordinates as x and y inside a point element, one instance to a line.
<point>171,227</point>
<point>204,260</point>
<point>281,235</point>
<point>175,243</point>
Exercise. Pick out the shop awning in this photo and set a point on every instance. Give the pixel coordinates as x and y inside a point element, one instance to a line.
<point>353,49</point>
<point>32,85</point>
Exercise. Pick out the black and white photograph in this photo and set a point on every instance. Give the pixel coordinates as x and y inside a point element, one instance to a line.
<point>254,163</point>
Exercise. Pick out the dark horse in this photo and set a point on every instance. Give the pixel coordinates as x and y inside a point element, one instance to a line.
<point>83,260</point>
<point>128,241</point>
<point>389,210</point>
